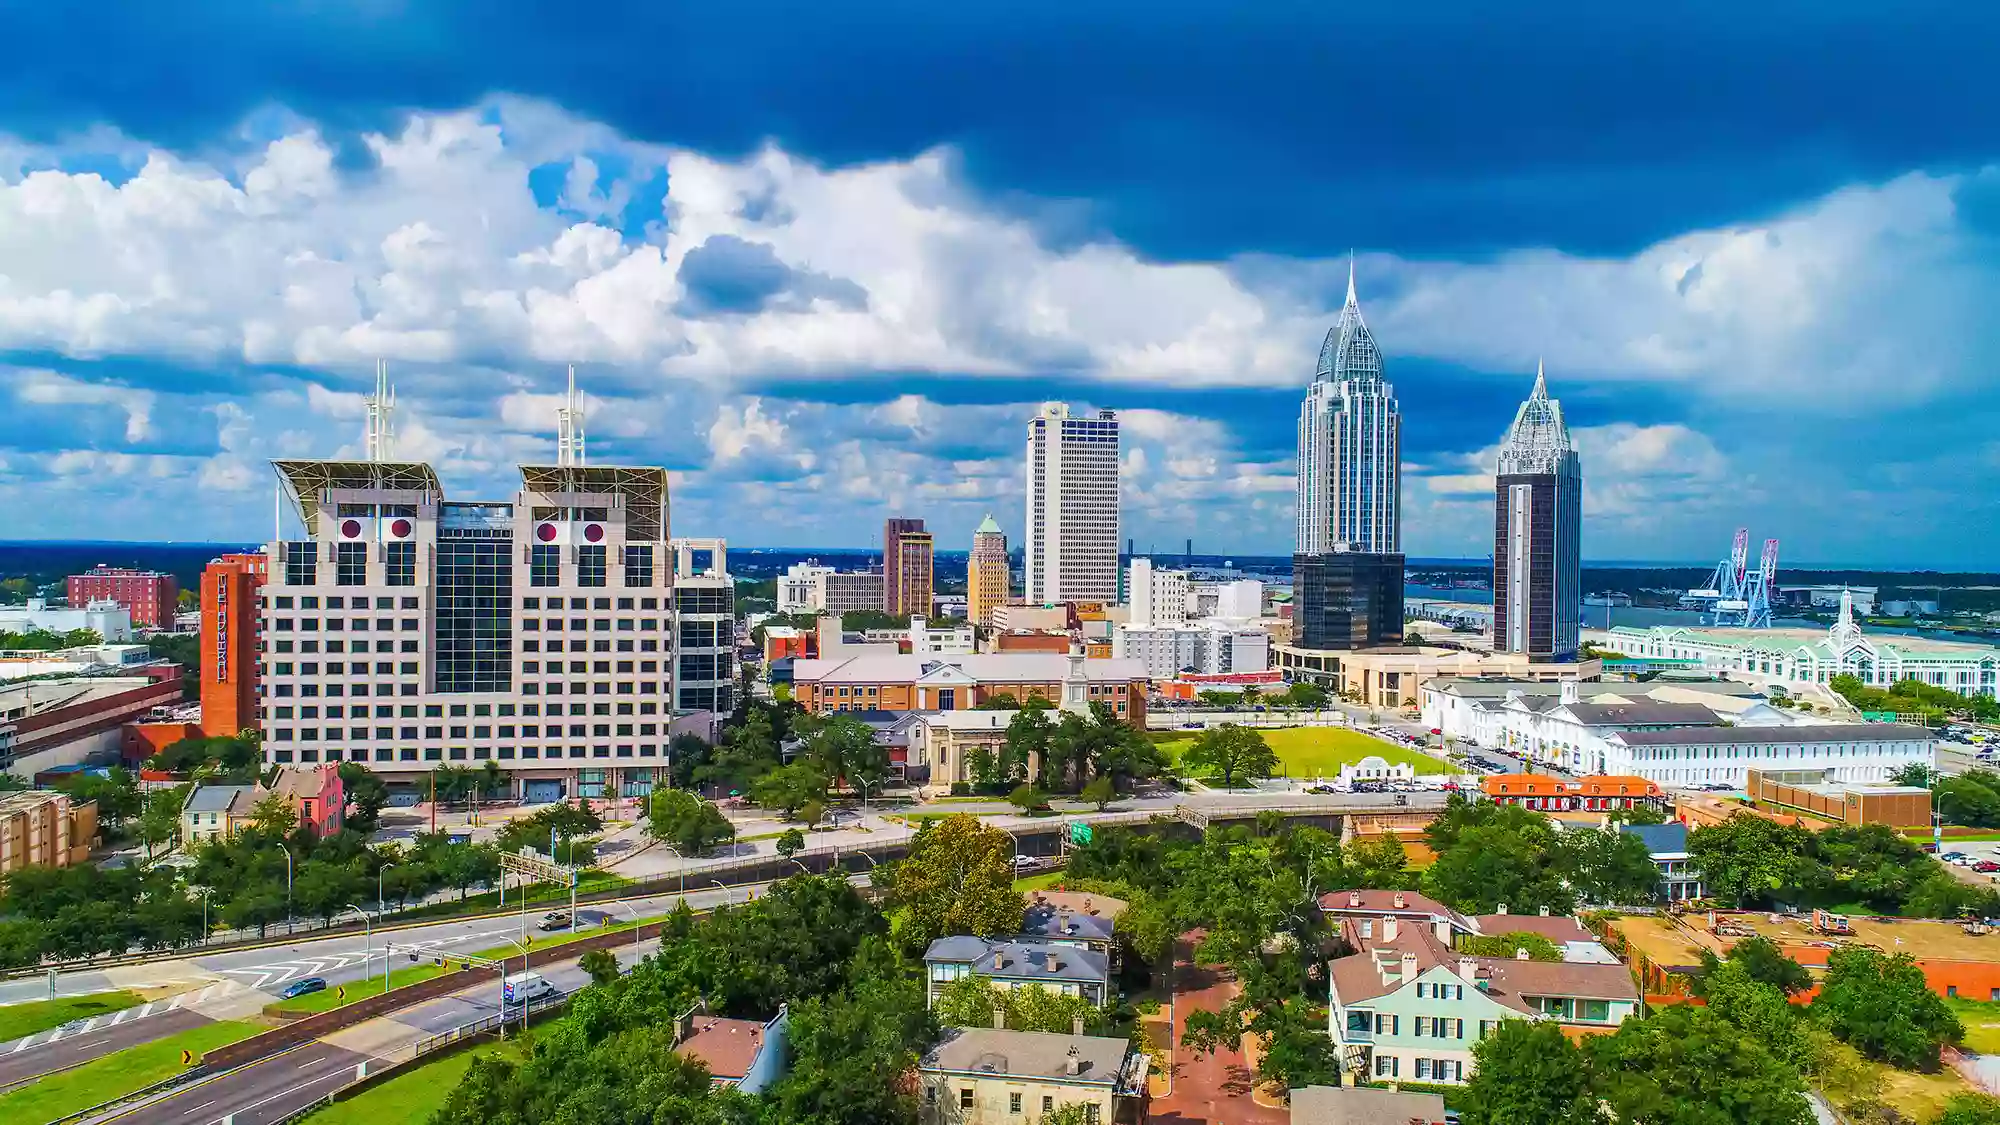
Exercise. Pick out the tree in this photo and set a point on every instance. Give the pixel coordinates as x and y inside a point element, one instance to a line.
<point>1231,751</point>
<point>116,794</point>
<point>791,842</point>
<point>1075,1113</point>
<point>1509,944</point>
<point>274,816</point>
<point>1762,1012</point>
<point>1916,773</point>
<point>789,788</point>
<point>1117,751</point>
<point>844,749</point>
<point>1686,1064</point>
<point>1029,735</point>
<point>1378,863</point>
<point>1414,639</point>
<point>1100,792</point>
<point>601,964</point>
<point>1763,961</point>
<point>1608,866</point>
<point>1970,1109</point>
<point>1881,1006</point>
<point>1028,799</point>
<point>1306,695</point>
<point>365,793</point>
<point>1745,859</point>
<point>687,754</point>
<point>161,821</point>
<point>999,701</point>
<point>1490,854</point>
<point>1529,1071</point>
<point>958,879</point>
<point>1638,814</point>
<point>686,821</point>
<point>971,1002</point>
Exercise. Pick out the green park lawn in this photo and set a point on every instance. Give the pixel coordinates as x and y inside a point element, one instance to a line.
<point>1307,752</point>
<point>17,1020</point>
<point>1040,882</point>
<point>1982,1024</point>
<point>409,1098</point>
<point>115,1075</point>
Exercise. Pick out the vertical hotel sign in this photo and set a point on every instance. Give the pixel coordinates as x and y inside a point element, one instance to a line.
<point>222,628</point>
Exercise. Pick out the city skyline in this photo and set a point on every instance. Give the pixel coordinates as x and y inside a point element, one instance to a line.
<point>199,283</point>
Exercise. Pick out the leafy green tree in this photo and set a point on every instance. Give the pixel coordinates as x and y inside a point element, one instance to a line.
<point>1763,961</point>
<point>791,842</point>
<point>1075,1113</point>
<point>1488,854</point>
<point>116,794</point>
<point>1762,1011</point>
<point>957,879</point>
<point>790,788</point>
<point>1379,863</point>
<point>1100,792</point>
<point>601,964</point>
<point>161,821</point>
<point>1608,867</point>
<point>844,749</point>
<point>1881,1006</point>
<point>1306,695</point>
<point>1638,814</point>
<point>686,821</point>
<point>1529,1071</point>
<point>365,793</point>
<point>273,815</point>
<point>1116,750</point>
<point>1916,773</point>
<point>1970,1109</point>
<point>1686,1064</point>
<point>972,1001</point>
<point>687,753</point>
<point>999,701</point>
<point>1027,798</point>
<point>849,1050</point>
<point>1030,734</point>
<point>1746,859</point>
<point>1230,752</point>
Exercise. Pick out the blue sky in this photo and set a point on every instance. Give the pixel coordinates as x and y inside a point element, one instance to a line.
<point>822,261</point>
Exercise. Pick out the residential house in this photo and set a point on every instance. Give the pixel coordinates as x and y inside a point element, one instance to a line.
<point>991,1076</point>
<point>1667,844</point>
<point>1350,1105</point>
<point>1408,1007</point>
<point>1358,915</point>
<point>747,1054</point>
<point>316,795</point>
<point>1015,963</point>
<point>1074,920</point>
<point>217,811</point>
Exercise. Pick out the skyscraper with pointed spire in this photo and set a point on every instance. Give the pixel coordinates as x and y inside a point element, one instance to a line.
<point>1537,533</point>
<point>987,577</point>
<point>1348,567</point>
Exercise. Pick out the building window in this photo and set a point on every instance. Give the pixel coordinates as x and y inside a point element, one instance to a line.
<point>544,565</point>
<point>350,564</point>
<point>965,1097</point>
<point>400,564</point>
<point>639,564</point>
<point>301,564</point>
<point>1014,1102</point>
<point>474,594</point>
<point>590,563</point>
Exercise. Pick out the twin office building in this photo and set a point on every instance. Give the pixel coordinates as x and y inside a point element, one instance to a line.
<point>563,635</point>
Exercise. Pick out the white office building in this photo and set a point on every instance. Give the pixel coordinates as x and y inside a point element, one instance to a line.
<point>541,633</point>
<point>1072,510</point>
<point>1157,596</point>
<point>799,589</point>
<point>1206,648</point>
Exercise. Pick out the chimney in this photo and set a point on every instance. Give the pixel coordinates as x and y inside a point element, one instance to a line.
<point>1521,954</point>
<point>1401,902</point>
<point>1500,909</point>
<point>1467,967</point>
<point>1076,1026</point>
<point>999,1017</point>
<point>1409,966</point>
<point>1072,1064</point>
<point>999,960</point>
<point>1054,962</point>
<point>1388,929</point>
<point>1353,899</point>
<point>1062,921</point>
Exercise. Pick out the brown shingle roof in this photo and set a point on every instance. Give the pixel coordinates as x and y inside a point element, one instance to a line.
<point>728,1046</point>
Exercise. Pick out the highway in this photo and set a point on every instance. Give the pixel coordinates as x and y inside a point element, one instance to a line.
<point>268,1090</point>
<point>64,1047</point>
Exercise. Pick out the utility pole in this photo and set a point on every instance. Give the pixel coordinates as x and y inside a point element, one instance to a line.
<point>434,801</point>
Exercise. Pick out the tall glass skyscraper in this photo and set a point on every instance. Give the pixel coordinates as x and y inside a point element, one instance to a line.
<point>1350,446</point>
<point>1537,534</point>
<point>1347,573</point>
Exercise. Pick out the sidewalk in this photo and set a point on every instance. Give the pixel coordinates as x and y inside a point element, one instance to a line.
<point>1216,1089</point>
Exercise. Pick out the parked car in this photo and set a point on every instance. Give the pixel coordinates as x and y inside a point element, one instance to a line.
<point>302,986</point>
<point>1986,865</point>
<point>554,920</point>
<point>1025,861</point>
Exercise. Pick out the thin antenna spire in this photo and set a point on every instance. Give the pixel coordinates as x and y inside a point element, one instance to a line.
<point>1350,277</point>
<point>380,442</point>
<point>569,426</point>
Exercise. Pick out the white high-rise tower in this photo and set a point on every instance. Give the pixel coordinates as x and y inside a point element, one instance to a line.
<point>1072,543</point>
<point>1350,446</point>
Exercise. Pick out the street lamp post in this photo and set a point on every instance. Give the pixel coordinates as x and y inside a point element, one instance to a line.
<point>503,987</point>
<point>288,890</point>
<point>802,867</point>
<point>627,908</point>
<point>381,903</point>
<point>864,786</point>
<point>367,936</point>
<point>728,896</point>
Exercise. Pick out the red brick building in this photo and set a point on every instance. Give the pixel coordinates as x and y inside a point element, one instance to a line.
<point>148,595</point>
<point>229,591</point>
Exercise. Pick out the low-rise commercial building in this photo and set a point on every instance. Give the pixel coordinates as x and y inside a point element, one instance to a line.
<point>1395,676</point>
<point>1202,648</point>
<point>1814,792</point>
<point>1843,752</point>
<point>993,1076</point>
<point>48,723</point>
<point>951,683</point>
<point>110,621</point>
<point>150,596</point>
<point>45,829</point>
<point>1597,793</point>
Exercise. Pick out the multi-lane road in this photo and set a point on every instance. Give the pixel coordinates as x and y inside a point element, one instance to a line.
<point>272,1088</point>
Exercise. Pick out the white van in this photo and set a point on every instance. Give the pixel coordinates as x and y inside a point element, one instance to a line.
<point>523,987</point>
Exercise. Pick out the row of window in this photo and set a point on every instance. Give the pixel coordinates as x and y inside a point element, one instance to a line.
<point>341,624</point>
<point>337,601</point>
<point>1427,1070</point>
<point>432,711</point>
<point>459,753</point>
<point>1014,1103</point>
<point>579,624</point>
<point>528,730</point>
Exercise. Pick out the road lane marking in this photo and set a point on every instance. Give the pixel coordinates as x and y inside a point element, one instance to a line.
<point>199,1108</point>
<point>290,1092</point>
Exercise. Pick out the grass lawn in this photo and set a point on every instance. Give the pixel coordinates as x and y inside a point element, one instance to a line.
<point>1851,1079</point>
<point>544,893</point>
<point>17,1020</point>
<point>409,1098</point>
<point>328,999</point>
<point>1982,1024</point>
<point>1306,752</point>
<point>1040,882</point>
<point>115,1075</point>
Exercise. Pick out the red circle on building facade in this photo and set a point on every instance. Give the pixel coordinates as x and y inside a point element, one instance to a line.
<point>545,532</point>
<point>350,529</point>
<point>594,532</point>
<point>400,528</point>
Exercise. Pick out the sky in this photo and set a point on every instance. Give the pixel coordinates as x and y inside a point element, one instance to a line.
<point>823,261</point>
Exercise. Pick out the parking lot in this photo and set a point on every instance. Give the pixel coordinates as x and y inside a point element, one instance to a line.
<point>1977,853</point>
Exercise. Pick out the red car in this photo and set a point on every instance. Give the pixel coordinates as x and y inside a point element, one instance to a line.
<point>1986,865</point>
